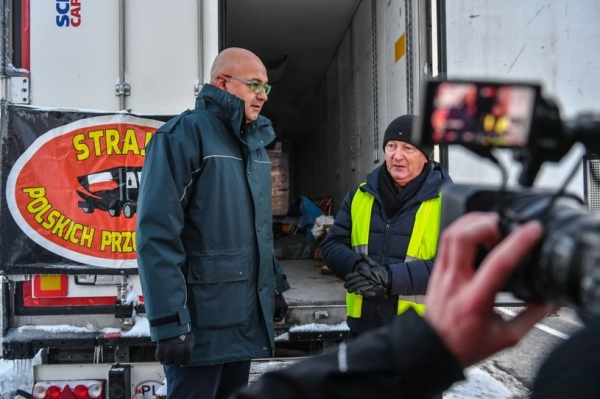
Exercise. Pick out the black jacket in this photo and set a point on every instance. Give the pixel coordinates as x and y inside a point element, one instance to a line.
<point>405,359</point>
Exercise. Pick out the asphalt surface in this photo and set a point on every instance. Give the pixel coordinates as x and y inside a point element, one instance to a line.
<point>516,367</point>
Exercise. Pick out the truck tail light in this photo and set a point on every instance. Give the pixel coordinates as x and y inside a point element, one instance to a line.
<point>85,392</point>
<point>83,389</point>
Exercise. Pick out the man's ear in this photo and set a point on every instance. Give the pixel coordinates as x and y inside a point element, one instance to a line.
<point>221,82</point>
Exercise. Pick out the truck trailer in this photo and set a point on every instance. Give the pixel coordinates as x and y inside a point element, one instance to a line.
<point>85,85</point>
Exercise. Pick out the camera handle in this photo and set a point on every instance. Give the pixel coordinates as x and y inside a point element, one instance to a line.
<point>585,128</point>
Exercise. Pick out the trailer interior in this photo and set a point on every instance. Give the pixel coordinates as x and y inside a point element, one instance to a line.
<point>298,42</point>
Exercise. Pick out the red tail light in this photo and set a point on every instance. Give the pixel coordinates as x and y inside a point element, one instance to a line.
<point>83,389</point>
<point>53,392</point>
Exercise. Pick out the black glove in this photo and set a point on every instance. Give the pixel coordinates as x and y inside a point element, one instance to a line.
<point>369,279</point>
<point>359,280</point>
<point>281,308</point>
<point>176,351</point>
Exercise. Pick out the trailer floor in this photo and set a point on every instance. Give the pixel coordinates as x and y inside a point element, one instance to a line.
<point>308,286</point>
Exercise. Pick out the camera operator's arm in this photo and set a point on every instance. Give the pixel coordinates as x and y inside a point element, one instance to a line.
<point>404,359</point>
<point>460,300</point>
<point>459,329</point>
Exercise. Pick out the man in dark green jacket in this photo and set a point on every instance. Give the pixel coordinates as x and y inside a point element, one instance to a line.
<point>204,235</point>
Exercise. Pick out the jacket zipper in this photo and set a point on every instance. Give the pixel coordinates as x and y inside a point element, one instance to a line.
<point>385,239</point>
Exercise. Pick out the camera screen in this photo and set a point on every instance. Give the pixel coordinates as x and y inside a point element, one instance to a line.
<point>479,114</point>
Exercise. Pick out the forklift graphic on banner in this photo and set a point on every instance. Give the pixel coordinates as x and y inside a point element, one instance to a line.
<point>112,190</point>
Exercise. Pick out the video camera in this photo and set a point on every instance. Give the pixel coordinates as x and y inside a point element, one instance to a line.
<point>564,268</point>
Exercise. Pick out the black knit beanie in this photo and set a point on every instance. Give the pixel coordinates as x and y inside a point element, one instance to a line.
<point>401,129</point>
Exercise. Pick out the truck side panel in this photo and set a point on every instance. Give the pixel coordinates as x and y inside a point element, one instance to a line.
<point>162,51</point>
<point>73,65</point>
<point>557,45</point>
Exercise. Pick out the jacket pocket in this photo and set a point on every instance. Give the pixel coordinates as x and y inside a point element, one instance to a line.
<point>218,288</point>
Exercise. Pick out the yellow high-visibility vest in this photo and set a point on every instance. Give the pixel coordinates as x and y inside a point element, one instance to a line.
<point>422,244</point>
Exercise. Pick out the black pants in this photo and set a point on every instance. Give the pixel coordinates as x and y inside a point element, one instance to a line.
<point>206,382</point>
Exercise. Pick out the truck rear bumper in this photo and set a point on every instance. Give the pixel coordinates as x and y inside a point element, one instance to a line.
<point>25,344</point>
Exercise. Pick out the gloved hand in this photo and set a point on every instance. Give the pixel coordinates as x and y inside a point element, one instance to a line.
<point>176,351</point>
<point>359,280</point>
<point>281,308</point>
<point>369,279</point>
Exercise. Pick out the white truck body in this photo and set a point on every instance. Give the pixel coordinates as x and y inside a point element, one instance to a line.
<point>553,44</point>
<point>350,67</point>
<point>160,51</point>
<point>89,59</point>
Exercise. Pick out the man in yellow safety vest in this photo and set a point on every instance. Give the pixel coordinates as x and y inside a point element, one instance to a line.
<point>384,238</point>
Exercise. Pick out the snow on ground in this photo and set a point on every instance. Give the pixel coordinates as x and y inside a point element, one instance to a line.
<point>478,384</point>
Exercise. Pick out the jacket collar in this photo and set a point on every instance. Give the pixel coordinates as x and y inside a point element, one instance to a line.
<point>437,176</point>
<point>228,107</point>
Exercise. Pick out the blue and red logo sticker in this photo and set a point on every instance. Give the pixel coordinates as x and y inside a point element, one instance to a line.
<point>68,13</point>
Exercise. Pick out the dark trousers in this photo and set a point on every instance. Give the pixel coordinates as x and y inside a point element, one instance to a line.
<point>206,382</point>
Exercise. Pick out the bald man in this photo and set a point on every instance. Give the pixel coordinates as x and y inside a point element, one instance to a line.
<point>204,234</point>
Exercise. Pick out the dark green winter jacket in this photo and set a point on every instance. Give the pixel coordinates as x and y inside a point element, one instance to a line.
<point>204,231</point>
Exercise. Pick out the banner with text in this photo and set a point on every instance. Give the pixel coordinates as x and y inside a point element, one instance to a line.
<point>71,183</point>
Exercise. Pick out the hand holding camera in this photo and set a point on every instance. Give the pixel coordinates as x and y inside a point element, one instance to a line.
<point>460,299</point>
<point>481,116</point>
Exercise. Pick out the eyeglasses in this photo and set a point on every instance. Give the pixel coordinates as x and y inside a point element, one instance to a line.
<point>255,87</point>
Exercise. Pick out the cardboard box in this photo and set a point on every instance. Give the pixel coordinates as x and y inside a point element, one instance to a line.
<point>280,181</point>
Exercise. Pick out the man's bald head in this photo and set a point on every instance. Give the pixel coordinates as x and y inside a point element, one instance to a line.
<point>232,60</point>
<point>240,72</point>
